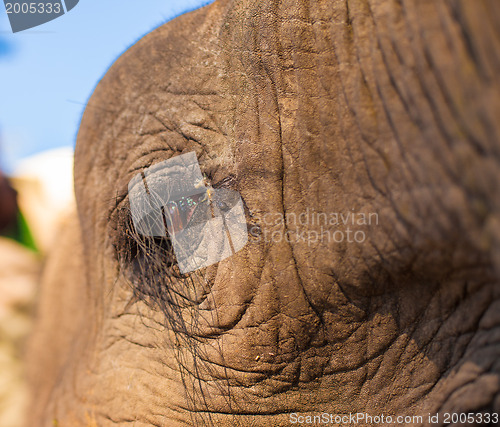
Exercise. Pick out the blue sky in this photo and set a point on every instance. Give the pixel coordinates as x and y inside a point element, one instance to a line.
<point>48,73</point>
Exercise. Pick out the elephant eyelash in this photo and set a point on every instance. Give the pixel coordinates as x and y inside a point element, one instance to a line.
<point>135,252</point>
<point>150,267</point>
<point>228,182</point>
<point>151,256</point>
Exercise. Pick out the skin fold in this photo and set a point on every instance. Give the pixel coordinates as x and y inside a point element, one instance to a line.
<point>378,107</point>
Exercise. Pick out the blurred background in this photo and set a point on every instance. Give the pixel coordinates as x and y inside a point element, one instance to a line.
<point>47,74</point>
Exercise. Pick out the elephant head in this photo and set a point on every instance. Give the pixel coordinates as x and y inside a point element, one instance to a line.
<point>362,137</point>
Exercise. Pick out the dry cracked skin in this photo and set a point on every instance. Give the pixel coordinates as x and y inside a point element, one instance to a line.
<point>375,107</point>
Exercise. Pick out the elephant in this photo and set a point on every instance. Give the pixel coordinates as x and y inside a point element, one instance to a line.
<point>363,139</point>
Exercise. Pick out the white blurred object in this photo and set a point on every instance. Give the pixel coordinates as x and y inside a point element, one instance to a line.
<point>45,186</point>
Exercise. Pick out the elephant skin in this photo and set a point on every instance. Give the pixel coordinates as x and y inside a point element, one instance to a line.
<point>379,107</point>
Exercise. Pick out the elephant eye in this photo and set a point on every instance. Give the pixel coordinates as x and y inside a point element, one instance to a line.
<point>149,264</point>
<point>177,222</point>
<point>142,259</point>
<point>179,213</point>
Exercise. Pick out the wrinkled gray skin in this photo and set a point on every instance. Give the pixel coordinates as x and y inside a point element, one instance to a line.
<point>387,107</point>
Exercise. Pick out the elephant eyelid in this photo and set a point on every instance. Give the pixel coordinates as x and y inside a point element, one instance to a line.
<point>228,182</point>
